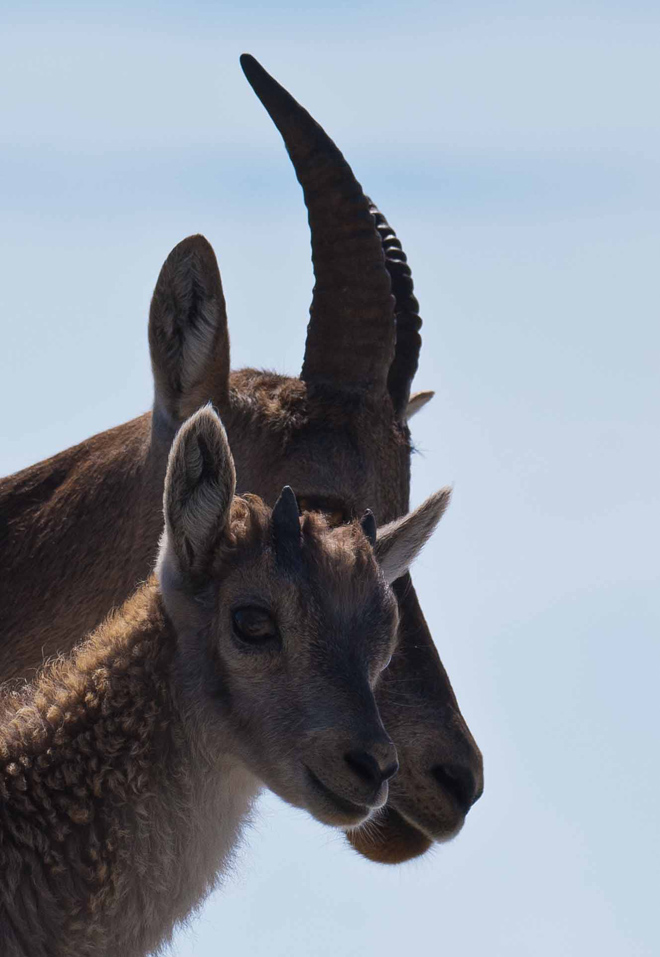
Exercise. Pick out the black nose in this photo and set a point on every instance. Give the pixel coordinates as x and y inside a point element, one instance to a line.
<point>460,781</point>
<point>373,765</point>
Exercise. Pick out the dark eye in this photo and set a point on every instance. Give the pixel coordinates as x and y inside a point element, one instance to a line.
<point>254,626</point>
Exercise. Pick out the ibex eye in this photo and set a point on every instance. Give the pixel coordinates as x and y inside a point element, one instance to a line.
<point>254,626</point>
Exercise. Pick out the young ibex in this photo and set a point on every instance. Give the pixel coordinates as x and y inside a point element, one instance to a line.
<point>250,659</point>
<point>81,529</point>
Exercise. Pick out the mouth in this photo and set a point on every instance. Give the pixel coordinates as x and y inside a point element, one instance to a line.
<point>441,826</point>
<point>334,806</point>
<point>402,831</point>
<point>435,808</point>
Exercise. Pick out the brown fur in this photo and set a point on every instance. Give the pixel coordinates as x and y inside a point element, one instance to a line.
<point>106,494</point>
<point>128,767</point>
<point>80,530</point>
<point>82,756</point>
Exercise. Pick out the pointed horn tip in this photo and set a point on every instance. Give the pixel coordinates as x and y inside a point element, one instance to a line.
<point>313,153</point>
<point>287,533</point>
<point>288,499</point>
<point>272,95</point>
<point>369,528</point>
<point>251,67</point>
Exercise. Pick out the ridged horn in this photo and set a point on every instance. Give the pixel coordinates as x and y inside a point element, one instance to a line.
<point>408,322</point>
<point>351,335</point>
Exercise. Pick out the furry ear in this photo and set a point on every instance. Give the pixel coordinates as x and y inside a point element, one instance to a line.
<point>416,402</point>
<point>199,488</point>
<point>188,337</point>
<point>400,542</point>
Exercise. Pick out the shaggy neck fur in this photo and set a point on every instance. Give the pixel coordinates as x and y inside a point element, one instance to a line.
<point>117,814</point>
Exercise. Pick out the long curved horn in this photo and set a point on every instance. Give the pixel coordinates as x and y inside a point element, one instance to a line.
<point>351,334</point>
<point>408,321</point>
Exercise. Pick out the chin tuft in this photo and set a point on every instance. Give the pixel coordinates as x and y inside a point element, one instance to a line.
<point>387,838</point>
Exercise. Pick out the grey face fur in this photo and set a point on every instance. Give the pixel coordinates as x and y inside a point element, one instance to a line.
<point>285,626</point>
<point>81,529</point>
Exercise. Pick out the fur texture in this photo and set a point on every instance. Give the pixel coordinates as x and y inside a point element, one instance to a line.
<point>79,531</point>
<point>128,768</point>
<point>399,543</point>
<point>115,818</point>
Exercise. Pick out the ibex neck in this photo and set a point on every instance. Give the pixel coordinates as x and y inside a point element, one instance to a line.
<point>78,533</point>
<point>131,823</point>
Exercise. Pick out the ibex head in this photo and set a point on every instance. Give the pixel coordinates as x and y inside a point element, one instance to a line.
<point>338,435</point>
<point>285,627</point>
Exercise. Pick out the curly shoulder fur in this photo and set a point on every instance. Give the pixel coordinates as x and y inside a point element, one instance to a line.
<point>114,819</point>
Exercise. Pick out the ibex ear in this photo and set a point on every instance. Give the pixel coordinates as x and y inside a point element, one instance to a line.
<point>417,401</point>
<point>400,542</point>
<point>199,488</point>
<point>188,336</point>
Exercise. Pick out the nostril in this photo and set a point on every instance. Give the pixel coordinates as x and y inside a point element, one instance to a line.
<point>364,765</point>
<point>367,768</point>
<point>459,781</point>
<point>390,770</point>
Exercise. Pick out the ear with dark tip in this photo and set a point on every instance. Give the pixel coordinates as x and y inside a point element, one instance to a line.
<point>400,542</point>
<point>188,337</point>
<point>368,523</point>
<point>199,489</point>
<point>286,527</point>
<point>416,402</point>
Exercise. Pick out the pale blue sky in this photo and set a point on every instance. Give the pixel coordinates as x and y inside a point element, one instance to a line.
<point>515,148</point>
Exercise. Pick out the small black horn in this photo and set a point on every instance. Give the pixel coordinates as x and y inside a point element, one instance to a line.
<point>286,526</point>
<point>368,523</point>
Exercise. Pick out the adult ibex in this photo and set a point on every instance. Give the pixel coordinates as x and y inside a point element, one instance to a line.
<point>129,768</point>
<point>81,529</point>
